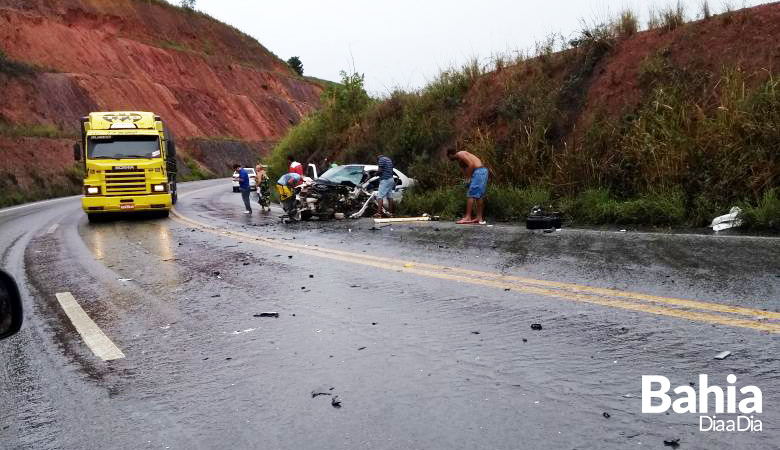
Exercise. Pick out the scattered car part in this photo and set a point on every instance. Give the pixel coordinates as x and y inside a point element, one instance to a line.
<point>726,221</point>
<point>407,219</point>
<point>722,355</point>
<point>349,190</point>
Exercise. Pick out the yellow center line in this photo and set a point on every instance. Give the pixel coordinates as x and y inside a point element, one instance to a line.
<point>671,307</point>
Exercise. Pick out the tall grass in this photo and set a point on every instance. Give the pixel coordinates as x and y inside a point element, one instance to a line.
<point>34,130</point>
<point>627,23</point>
<point>672,16</point>
<point>705,10</point>
<point>68,181</point>
<point>766,213</point>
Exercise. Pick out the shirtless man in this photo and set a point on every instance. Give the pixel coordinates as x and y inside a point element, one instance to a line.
<point>476,178</point>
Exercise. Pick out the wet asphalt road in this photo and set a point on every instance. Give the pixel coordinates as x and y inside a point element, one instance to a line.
<point>422,355</point>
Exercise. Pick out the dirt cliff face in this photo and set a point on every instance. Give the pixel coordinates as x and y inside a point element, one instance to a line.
<point>63,59</point>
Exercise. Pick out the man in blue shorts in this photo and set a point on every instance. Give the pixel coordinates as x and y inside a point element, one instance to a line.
<point>386,185</point>
<point>476,178</point>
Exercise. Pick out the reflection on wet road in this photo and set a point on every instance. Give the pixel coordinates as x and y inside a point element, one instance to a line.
<point>423,332</point>
<point>681,308</point>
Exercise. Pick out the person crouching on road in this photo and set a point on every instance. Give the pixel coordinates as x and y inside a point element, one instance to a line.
<point>476,179</point>
<point>386,186</point>
<point>243,186</point>
<point>285,187</point>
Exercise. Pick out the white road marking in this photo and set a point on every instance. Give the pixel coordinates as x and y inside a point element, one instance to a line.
<point>53,228</point>
<point>30,205</point>
<point>92,335</point>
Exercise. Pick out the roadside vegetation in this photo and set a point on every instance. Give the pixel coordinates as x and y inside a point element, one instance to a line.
<point>190,170</point>
<point>34,130</point>
<point>695,142</point>
<point>13,68</point>
<point>64,183</point>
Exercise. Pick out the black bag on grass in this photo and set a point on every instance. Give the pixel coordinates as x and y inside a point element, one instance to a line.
<point>540,219</point>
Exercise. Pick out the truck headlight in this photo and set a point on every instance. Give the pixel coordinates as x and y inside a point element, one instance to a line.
<point>93,190</point>
<point>158,188</point>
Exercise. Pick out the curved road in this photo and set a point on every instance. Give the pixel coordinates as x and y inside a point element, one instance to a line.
<point>404,336</point>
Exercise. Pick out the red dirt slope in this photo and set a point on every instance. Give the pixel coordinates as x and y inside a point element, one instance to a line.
<point>206,79</point>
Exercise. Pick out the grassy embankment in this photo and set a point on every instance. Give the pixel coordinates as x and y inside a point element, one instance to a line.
<point>694,145</point>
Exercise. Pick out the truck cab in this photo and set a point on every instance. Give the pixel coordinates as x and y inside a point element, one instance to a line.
<point>129,164</point>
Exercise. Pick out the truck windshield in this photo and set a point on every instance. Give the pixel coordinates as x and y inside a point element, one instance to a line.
<point>123,147</point>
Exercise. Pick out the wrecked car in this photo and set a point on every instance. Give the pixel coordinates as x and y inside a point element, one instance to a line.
<point>344,191</point>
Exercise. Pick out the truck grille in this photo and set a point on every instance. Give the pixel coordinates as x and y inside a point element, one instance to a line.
<point>120,182</point>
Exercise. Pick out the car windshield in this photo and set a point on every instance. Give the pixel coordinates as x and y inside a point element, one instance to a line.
<point>123,147</point>
<point>353,174</point>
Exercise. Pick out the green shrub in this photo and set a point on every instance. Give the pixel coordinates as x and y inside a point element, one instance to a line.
<point>40,130</point>
<point>627,23</point>
<point>15,68</point>
<point>447,202</point>
<point>673,17</point>
<point>196,171</point>
<point>765,215</point>
<point>323,134</point>
<point>597,206</point>
<point>502,203</point>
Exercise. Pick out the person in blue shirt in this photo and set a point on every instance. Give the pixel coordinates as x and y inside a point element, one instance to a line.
<point>386,185</point>
<point>243,186</point>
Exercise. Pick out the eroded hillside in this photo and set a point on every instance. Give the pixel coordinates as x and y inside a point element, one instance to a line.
<point>225,96</point>
<point>671,125</point>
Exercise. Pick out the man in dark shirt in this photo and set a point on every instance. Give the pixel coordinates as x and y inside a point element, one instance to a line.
<point>386,185</point>
<point>243,186</point>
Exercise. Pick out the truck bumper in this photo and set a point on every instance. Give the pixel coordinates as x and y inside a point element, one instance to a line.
<point>154,202</point>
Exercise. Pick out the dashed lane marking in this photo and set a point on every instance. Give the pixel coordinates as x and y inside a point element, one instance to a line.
<point>52,228</point>
<point>93,336</point>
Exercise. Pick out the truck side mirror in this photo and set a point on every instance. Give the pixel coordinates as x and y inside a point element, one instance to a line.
<point>77,152</point>
<point>10,306</point>
<point>312,169</point>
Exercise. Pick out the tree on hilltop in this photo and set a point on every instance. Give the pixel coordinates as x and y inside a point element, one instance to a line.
<point>187,4</point>
<point>296,64</point>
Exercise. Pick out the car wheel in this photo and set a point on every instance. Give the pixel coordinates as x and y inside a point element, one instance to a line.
<point>95,218</point>
<point>235,189</point>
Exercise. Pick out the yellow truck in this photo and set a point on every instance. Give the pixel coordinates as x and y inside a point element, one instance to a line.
<point>129,163</point>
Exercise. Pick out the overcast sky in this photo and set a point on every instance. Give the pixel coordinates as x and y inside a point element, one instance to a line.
<point>405,43</point>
